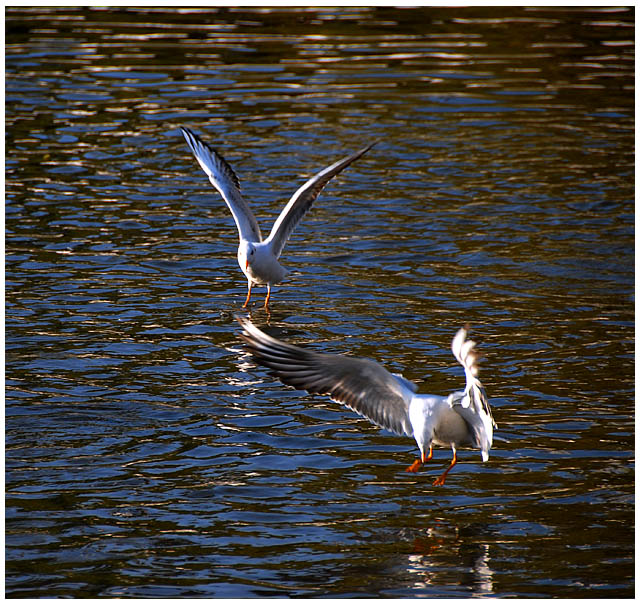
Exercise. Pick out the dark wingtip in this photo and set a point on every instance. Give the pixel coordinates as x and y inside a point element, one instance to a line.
<point>186,131</point>
<point>226,167</point>
<point>367,148</point>
<point>242,321</point>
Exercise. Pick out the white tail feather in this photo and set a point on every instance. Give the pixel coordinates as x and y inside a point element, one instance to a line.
<point>474,397</point>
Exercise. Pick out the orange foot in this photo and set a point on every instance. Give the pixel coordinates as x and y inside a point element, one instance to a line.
<point>440,481</point>
<point>414,467</point>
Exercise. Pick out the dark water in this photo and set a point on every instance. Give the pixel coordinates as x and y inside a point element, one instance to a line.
<point>145,455</point>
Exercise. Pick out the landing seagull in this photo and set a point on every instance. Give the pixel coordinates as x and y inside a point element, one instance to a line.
<point>462,419</point>
<point>258,258</point>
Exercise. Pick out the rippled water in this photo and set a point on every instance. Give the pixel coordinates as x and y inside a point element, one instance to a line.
<point>147,457</point>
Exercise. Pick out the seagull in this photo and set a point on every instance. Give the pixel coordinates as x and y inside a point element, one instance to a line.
<point>461,419</point>
<point>258,258</point>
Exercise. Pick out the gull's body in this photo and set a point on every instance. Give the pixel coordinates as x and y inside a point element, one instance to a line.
<point>258,258</point>
<point>462,419</point>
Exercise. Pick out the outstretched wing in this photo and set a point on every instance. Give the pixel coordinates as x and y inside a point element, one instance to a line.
<point>224,180</point>
<point>473,404</point>
<point>361,384</point>
<point>302,200</point>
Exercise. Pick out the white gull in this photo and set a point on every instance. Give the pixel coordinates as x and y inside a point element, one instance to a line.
<point>258,258</point>
<point>461,419</point>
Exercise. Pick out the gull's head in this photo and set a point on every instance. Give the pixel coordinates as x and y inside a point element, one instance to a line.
<point>246,254</point>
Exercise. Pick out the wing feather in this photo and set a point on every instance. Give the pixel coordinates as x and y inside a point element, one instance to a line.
<point>361,384</point>
<point>302,200</point>
<point>224,180</point>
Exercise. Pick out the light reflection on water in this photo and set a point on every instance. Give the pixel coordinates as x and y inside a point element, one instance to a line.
<point>146,456</point>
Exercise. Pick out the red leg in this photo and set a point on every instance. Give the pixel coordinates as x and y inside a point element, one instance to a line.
<point>246,303</point>
<point>266,301</point>
<point>440,480</point>
<point>416,465</point>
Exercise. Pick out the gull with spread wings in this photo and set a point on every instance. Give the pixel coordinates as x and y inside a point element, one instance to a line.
<point>258,258</point>
<point>461,419</point>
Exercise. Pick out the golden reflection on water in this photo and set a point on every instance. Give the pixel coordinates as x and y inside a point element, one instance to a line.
<point>502,194</point>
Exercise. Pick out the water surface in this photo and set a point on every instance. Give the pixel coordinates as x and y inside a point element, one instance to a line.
<point>146,456</point>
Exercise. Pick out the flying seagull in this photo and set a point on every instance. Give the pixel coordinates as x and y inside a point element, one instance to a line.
<point>461,419</point>
<point>258,258</point>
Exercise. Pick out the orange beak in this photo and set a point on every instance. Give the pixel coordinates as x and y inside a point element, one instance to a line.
<point>246,265</point>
